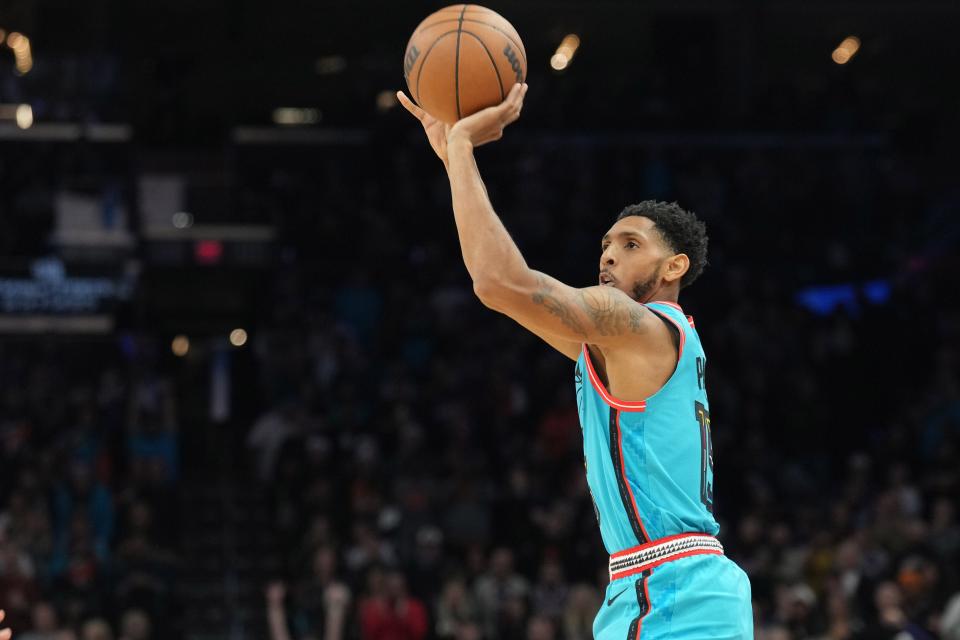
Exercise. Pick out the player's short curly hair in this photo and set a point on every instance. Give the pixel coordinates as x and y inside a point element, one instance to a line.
<point>681,230</point>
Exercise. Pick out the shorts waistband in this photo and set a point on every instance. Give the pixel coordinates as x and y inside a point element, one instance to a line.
<point>646,556</point>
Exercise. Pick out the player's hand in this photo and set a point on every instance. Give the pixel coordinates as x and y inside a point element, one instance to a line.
<point>436,130</point>
<point>5,634</point>
<point>488,124</point>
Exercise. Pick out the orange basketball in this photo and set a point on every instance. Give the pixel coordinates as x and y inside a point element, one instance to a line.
<point>462,59</point>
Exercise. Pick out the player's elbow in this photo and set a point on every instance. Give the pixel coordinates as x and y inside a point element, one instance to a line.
<point>489,291</point>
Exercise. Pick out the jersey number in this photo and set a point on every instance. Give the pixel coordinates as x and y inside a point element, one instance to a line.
<point>706,456</point>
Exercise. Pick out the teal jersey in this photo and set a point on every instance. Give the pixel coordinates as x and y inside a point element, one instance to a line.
<point>650,463</point>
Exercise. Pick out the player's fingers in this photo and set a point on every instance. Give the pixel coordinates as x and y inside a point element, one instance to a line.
<point>510,108</point>
<point>515,96</point>
<point>6,634</point>
<point>514,101</point>
<point>417,112</point>
<point>509,103</point>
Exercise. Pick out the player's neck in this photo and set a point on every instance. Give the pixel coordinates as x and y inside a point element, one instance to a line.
<point>665,294</point>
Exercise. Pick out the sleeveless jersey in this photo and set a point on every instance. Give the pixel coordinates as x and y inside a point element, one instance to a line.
<point>650,463</point>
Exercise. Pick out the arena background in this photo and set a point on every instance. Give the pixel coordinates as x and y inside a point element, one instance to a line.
<point>246,391</point>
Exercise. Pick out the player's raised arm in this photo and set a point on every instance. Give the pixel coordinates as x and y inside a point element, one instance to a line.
<point>564,316</point>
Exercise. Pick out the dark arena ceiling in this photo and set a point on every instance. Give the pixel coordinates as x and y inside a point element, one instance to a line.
<point>190,72</point>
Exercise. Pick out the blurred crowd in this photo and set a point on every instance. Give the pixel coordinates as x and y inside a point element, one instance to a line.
<point>89,515</point>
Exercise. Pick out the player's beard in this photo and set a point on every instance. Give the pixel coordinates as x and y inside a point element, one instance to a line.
<point>643,289</point>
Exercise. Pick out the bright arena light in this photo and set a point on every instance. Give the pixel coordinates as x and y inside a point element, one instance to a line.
<point>386,100</point>
<point>238,337</point>
<point>295,116</point>
<point>846,50</point>
<point>20,44</point>
<point>182,220</point>
<point>180,346</point>
<point>24,116</point>
<point>563,56</point>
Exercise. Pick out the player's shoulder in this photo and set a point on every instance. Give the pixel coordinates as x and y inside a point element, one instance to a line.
<point>672,312</point>
<point>685,327</point>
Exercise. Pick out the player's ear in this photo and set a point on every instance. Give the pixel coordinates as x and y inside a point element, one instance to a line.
<point>675,266</point>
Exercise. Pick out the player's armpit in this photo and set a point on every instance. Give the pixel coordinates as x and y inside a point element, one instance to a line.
<point>595,315</point>
<point>569,348</point>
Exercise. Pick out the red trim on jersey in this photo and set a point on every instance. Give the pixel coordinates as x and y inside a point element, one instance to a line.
<point>622,405</point>
<point>654,543</point>
<point>657,563</point>
<point>683,336</point>
<point>626,481</point>
<point>668,303</point>
<point>690,320</point>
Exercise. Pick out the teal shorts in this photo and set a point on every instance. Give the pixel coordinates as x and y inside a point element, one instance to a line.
<point>703,597</point>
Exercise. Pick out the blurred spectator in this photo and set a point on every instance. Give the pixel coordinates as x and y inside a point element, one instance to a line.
<point>152,423</point>
<point>388,612</point>
<point>322,603</point>
<point>143,569</point>
<point>96,629</point>
<point>551,592</point>
<point>135,625</point>
<point>950,623</point>
<point>267,436</point>
<point>584,602</point>
<point>501,592</point>
<point>84,516</point>
<point>19,589</point>
<point>540,628</point>
<point>45,624</point>
<point>455,609</point>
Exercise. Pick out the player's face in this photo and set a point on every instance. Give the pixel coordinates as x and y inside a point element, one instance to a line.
<point>632,255</point>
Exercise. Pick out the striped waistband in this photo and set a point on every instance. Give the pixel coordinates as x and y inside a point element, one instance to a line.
<point>646,556</point>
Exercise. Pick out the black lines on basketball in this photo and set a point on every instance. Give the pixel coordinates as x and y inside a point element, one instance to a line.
<point>461,20</point>
<point>492,62</point>
<point>456,63</point>
<point>423,61</point>
<point>505,35</point>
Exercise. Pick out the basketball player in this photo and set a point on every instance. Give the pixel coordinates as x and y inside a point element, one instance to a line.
<point>641,394</point>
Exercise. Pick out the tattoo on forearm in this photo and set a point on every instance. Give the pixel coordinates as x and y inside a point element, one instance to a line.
<point>609,313</point>
<point>544,296</point>
<point>636,319</point>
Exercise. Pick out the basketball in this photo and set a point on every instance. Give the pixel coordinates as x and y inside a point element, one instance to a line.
<point>462,59</point>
